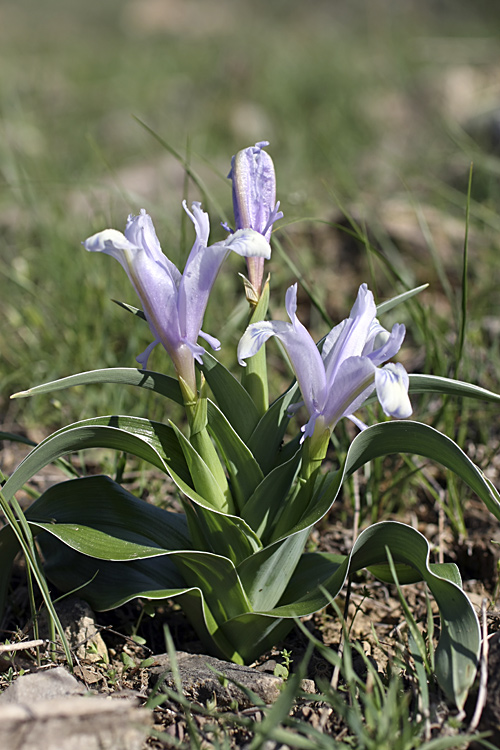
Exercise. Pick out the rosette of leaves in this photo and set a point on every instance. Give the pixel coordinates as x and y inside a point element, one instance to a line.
<point>235,559</point>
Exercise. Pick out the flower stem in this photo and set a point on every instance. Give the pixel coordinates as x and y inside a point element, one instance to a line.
<point>196,411</point>
<point>254,376</point>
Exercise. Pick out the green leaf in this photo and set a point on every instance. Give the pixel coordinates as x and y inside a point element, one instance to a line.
<point>266,503</point>
<point>449,387</point>
<point>243,469</point>
<point>153,381</point>
<point>421,440</point>
<point>399,437</point>
<point>99,502</point>
<point>265,440</point>
<point>107,585</point>
<point>204,481</point>
<point>151,441</point>
<point>458,648</point>
<point>225,534</point>
<point>265,575</point>
<point>98,544</point>
<point>391,303</point>
<point>233,400</point>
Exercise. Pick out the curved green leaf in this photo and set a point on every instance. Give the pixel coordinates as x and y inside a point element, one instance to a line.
<point>98,544</point>
<point>399,437</point>
<point>151,441</point>
<point>421,440</point>
<point>153,381</point>
<point>449,387</point>
<point>101,503</point>
<point>458,648</point>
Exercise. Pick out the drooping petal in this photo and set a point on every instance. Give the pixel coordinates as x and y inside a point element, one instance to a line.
<point>143,358</point>
<point>150,274</point>
<point>256,335</point>
<point>114,243</point>
<point>249,244</point>
<point>389,347</point>
<point>214,343</point>
<point>392,390</point>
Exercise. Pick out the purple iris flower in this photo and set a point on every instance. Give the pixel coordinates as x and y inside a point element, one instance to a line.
<point>254,200</point>
<point>174,303</point>
<point>335,383</point>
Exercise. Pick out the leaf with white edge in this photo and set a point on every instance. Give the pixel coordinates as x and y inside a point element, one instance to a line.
<point>449,387</point>
<point>399,437</point>
<point>391,303</point>
<point>98,544</point>
<point>458,648</point>
<point>101,503</point>
<point>144,439</point>
<point>164,385</point>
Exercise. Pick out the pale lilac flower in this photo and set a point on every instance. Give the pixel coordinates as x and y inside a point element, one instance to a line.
<point>254,200</point>
<point>174,303</point>
<point>335,383</point>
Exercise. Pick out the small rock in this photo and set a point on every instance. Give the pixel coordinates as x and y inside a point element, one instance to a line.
<point>43,685</point>
<point>80,629</point>
<point>201,683</point>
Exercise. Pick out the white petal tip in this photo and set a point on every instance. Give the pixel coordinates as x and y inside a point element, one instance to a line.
<point>249,244</point>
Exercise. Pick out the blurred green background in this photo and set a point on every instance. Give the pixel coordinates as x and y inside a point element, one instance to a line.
<point>374,110</point>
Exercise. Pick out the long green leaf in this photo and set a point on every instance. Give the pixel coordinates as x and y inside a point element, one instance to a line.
<point>458,648</point>
<point>400,437</point>
<point>148,443</point>
<point>243,469</point>
<point>153,381</point>
<point>233,400</point>
<point>101,503</point>
<point>450,387</point>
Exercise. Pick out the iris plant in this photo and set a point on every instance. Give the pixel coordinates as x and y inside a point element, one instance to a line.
<point>235,557</point>
<point>173,302</point>
<point>254,203</point>
<point>335,383</point>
